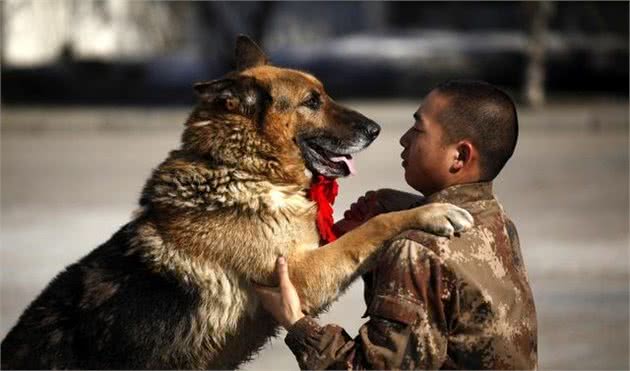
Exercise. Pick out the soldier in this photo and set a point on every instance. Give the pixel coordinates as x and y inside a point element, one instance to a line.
<point>435,302</point>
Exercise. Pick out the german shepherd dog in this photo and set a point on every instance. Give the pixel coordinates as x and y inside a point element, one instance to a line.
<point>173,288</point>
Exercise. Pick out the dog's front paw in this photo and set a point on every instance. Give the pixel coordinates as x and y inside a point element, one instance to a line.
<point>443,219</point>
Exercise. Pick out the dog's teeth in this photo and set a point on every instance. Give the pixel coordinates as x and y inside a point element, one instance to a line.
<point>346,160</point>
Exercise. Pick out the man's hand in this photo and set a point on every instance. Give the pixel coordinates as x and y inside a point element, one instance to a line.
<point>395,200</point>
<point>359,212</point>
<point>374,203</point>
<point>282,302</point>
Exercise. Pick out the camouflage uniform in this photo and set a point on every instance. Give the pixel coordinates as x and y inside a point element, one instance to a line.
<point>435,302</point>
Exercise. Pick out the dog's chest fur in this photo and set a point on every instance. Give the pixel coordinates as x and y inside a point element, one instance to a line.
<point>219,230</point>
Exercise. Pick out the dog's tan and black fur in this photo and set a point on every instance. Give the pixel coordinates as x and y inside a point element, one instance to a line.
<point>173,287</point>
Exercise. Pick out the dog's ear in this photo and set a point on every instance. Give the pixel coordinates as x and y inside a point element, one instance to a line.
<point>242,96</point>
<point>209,90</point>
<point>248,54</point>
<point>221,93</point>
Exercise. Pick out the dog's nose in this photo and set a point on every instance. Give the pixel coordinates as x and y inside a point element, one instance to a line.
<point>372,129</point>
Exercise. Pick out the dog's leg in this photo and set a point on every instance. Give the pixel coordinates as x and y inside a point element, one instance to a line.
<point>320,275</point>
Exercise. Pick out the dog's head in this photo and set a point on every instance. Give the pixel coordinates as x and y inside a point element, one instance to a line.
<point>275,114</point>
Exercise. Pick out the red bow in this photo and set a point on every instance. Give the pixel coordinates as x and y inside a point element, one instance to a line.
<point>323,192</point>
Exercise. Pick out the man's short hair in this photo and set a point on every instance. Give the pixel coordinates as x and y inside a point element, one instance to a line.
<point>484,114</point>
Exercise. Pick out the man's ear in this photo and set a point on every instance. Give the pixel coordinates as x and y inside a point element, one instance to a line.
<point>462,155</point>
<point>248,54</point>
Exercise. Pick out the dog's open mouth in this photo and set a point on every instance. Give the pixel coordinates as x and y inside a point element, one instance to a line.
<point>325,161</point>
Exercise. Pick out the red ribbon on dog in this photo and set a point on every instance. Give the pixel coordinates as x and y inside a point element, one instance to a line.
<point>323,192</point>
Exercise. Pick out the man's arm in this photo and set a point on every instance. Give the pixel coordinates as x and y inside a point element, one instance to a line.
<point>381,344</point>
<point>407,326</point>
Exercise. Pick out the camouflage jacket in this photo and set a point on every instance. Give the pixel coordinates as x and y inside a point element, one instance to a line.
<point>435,302</point>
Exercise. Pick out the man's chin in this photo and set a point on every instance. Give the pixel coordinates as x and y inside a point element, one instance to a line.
<point>412,182</point>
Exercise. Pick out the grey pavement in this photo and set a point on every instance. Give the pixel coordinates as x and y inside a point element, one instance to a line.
<point>71,177</point>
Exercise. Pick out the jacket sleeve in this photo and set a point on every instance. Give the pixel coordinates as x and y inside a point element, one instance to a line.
<point>407,326</point>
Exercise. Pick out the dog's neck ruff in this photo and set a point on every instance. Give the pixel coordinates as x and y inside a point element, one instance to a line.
<point>198,187</point>
<point>323,192</point>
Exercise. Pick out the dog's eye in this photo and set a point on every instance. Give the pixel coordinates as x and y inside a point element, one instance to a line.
<point>313,102</point>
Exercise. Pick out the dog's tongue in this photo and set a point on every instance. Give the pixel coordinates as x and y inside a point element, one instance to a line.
<point>348,160</point>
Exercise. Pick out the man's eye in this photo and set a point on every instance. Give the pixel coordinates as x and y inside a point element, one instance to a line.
<point>313,102</point>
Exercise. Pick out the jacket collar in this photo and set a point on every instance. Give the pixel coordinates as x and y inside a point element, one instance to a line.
<point>464,193</point>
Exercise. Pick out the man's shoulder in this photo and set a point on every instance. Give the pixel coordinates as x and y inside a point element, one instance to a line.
<point>419,236</point>
<point>450,250</point>
<point>421,241</point>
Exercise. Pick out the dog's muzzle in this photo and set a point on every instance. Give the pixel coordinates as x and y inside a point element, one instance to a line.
<point>331,156</point>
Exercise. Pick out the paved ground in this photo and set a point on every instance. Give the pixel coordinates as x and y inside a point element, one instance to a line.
<point>67,188</point>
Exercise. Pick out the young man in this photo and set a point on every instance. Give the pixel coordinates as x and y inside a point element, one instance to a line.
<point>434,302</point>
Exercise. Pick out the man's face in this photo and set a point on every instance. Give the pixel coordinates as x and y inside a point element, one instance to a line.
<point>426,158</point>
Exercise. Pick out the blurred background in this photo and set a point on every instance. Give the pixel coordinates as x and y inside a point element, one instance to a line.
<point>94,94</point>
